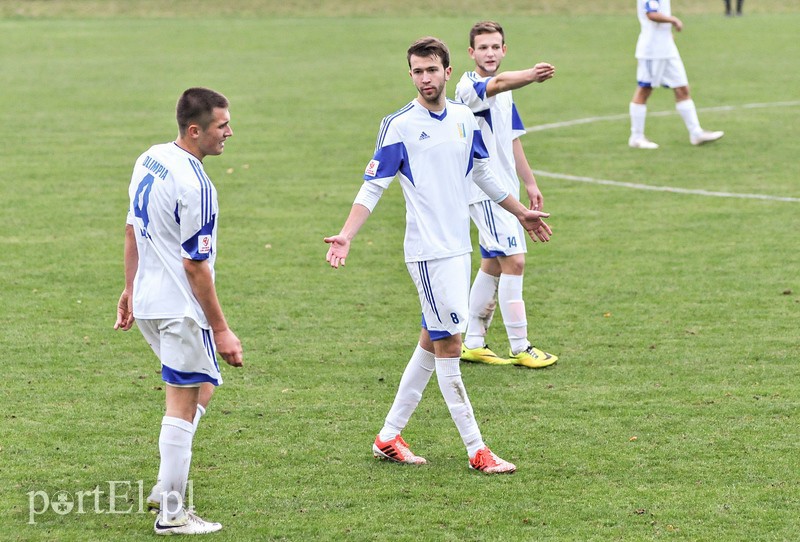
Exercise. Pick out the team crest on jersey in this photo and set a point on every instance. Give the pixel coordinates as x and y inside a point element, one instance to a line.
<point>462,130</point>
<point>372,168</point>
<point>204,244</point>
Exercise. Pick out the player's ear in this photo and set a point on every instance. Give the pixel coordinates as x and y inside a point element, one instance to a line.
<point>193,130</point>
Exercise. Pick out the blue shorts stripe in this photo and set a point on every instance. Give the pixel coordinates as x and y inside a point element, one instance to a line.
<point>488,217</point>
<point>426,286</point>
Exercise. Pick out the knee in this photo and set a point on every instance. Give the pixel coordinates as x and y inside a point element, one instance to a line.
<point>513,265</point>
<point>641,95</point>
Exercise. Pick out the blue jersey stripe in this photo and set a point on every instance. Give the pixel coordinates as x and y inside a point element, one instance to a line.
<point>516,120</point>
<point>486,115</point>
<point>479,86</point>
<point>205,192</point>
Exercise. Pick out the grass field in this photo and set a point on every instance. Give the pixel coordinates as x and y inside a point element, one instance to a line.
<point>672,415</point>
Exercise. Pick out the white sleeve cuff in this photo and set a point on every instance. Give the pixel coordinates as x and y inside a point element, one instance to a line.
<point>369,194</point>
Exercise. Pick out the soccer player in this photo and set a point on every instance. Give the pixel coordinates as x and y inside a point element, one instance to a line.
<point>487,92</point>
<point>170,249</point>
<point>434,146</point>
<point>661,64</point>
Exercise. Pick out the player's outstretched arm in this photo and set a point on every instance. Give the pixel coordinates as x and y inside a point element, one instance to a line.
<point>125,304</point>
<point>340,244</point>
<point>512,80</point>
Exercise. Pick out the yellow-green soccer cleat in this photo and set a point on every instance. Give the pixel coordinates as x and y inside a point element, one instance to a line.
<point>533,358</point>
<point>482,355</point>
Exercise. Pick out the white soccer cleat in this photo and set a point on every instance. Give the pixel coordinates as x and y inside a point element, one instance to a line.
<point>641,143</point>
<point>190,524</point>
<point>705,137</point>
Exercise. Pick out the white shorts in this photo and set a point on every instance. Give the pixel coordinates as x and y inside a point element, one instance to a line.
<point>187,353</point>
<point>443,287</point>
<point>499,232</point>
<point>661,72</point>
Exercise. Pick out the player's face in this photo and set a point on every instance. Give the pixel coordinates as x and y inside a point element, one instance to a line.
<point>488,52</point>
<point>430,77</point>
<point>211,141</point>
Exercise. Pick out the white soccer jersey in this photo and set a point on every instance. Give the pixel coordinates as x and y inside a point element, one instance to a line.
<point>436,158</point>
<point>173,211</point>
<point>655,39</point>
<point>500,124</point>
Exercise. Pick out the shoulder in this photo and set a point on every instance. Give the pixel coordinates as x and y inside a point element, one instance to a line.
<point>471,80</point>
<point>458,108</point>
<point>399,114</point>
<point>651,5</point>
<point>474,77</point>
<point>394,122</point>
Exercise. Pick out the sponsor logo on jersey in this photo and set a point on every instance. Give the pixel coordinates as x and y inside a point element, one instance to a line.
<point>462,130</point>
<point>423,135</point>
<point>204,244</point>
<point>372,168</point>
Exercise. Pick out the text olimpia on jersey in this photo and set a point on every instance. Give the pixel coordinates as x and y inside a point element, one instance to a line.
<point>173,211</point>
<point>437,158</point>
<point>500,124</point>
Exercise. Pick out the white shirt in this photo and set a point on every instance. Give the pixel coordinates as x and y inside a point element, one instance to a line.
<point>655,39</point>
<point>173,211</point>
<point>500,125</point>
<point>436,158</point>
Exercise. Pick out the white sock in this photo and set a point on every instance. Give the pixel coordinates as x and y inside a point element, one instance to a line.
<point>689,115</point>
<point>415,378</point>
<point>512,307</point>
<point>448,374</point>
<point>482,302</point>
<point>638,114</point>
<point>155,493</point>
<point>197,415</point>
<point>175,444</point>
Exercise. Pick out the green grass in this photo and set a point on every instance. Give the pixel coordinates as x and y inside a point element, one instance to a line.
<point>672,414</point>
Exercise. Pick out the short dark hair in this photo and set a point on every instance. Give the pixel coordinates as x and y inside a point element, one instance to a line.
<point>427,47</point>
<point>196,105</point>
<point>485,27</point>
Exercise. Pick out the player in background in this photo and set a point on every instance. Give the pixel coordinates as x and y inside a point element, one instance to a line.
<point>170,250</point>
<point>659,63</point>
<point>434,147</point>
<point>739,4</point>
<point>487,92</point>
